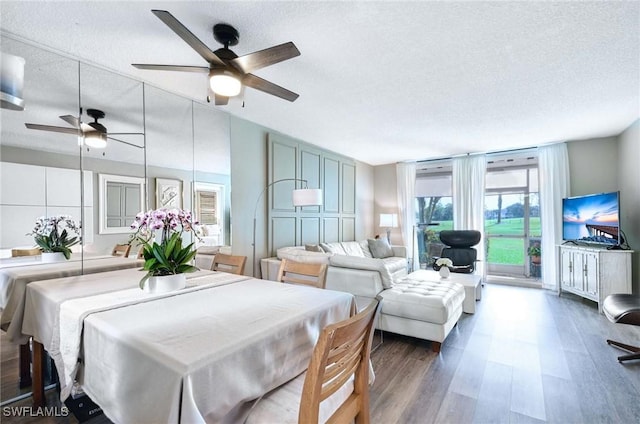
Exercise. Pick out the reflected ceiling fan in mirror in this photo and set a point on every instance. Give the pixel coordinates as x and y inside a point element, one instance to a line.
<point>227,72</point>
<point>93,134</point>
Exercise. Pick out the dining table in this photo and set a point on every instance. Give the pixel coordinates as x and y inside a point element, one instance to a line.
<point>195,355</point>
<point>15,279</point>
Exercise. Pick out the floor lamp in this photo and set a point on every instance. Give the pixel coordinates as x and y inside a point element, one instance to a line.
<point>301,197</point>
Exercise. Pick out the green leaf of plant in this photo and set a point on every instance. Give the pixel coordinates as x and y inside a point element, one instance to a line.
<point>144,279</point>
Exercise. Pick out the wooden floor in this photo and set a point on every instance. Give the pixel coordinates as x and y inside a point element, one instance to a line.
<point>526,356</point>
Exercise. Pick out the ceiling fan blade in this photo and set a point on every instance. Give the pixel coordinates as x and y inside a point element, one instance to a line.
<point>180,68</point>
<point>221,100</point>
<point>258,83</point>
<point>256,60</point>
<point>72,120</point>
<point>125,142</point>
<point>188,36</point>
<point>84,127</point>
<point>51,128</point>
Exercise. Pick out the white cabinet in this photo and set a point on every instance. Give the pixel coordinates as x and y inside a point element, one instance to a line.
<point>594,273</point>
<point>30,191</point>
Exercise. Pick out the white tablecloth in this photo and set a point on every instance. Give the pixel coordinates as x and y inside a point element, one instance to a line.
<point>199,356</point>
<point>14,281</point>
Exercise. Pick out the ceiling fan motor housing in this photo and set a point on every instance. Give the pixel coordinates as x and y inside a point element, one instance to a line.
<point>226,34</point>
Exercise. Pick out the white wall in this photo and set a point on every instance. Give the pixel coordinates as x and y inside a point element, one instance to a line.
<point>386,199</point>
<point>364,200</point>
<point>593,164</point>
<point>629,184</point>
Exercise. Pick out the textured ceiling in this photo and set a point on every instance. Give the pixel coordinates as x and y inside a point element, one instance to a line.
<point>384,81</point>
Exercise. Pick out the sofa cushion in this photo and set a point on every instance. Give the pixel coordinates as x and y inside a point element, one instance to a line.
<point>335,248</point>
<point>352,248</point>
<point>380,248</point>
<point>313,248</point>
<point>299,254</point>
<point>390,269</point>
<point>366,252</point>
<point>433,302</point>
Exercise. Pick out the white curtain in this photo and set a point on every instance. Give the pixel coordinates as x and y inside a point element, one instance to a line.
<point>406,187</point>
<point>553,168</point>
<point>468,198</point>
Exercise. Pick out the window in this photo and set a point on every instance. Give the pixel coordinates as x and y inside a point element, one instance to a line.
<point>434,209</point>
<point>209,212</point>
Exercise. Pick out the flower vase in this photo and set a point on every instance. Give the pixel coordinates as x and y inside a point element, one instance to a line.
<point>165,283</point>
<point>444,272</point>
<point>51,257</point>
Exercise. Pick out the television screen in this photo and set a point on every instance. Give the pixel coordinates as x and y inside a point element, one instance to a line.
<point>592,219</point>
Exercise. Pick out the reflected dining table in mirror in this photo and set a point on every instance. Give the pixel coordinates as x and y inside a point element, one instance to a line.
<point>199,354</point>
<point>17,273</point>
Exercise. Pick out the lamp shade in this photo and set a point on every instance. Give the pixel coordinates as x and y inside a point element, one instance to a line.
<point>388,220</point>
<point>307,197</point>
<point>224,83</point>
<point>11,82</point>
<point>95,139</point>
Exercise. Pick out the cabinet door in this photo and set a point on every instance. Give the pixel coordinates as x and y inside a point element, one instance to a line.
<point>590,273</point>
<point>578,271</point>
<point>566,268</point>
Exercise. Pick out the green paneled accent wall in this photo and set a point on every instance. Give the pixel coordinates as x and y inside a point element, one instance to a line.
<point>334,174</point>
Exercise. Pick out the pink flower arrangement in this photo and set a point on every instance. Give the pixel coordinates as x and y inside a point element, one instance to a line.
<point>167,220</point>
<point>169,256</point>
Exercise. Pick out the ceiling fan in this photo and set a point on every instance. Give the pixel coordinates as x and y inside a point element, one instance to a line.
<point>228,72</point>
<point>93,134</point>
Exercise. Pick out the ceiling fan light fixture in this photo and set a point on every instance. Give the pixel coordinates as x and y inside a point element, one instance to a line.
<point>225,83</point>
<point>95,139</point>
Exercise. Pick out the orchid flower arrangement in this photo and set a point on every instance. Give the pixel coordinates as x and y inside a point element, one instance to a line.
<point>53,234</point>
<point>169,256</point>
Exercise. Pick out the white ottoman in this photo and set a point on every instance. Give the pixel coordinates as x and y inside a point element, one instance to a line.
<point>471,283</point>
<point>422,309</point>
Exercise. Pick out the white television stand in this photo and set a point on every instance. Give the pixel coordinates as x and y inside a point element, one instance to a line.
<point>594,272</point>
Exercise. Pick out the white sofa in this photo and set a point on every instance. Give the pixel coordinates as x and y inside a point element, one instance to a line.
<point>426,310</point>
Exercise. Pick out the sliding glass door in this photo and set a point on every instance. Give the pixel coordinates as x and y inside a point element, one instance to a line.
<point>512,221</point>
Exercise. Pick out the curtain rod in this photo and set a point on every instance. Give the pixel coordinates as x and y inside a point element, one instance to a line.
<point>496,152</point>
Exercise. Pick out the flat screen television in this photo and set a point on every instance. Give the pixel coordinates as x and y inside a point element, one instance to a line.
<point>592,219</point>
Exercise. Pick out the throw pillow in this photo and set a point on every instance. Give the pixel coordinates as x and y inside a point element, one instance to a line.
<point>313,248</point>
<point>380,248</point>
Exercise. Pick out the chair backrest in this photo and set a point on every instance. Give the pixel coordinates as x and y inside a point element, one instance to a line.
<point>302,273</point>
<point>343,349</point>
<point>121,250</point>
<point>25,252</point>
<point>229,263</point>
<point>460,249</point>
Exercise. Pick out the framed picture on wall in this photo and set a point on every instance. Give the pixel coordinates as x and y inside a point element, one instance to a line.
<point>168,193</point>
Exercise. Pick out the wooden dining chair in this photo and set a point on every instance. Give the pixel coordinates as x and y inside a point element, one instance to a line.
<point>229,263</point>
<point>335,387</point>
<point>25,252</point>
<point>121,250</point>
<point>293,272</point>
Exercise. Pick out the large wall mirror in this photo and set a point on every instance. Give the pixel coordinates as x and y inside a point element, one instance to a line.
<point>156,137</point>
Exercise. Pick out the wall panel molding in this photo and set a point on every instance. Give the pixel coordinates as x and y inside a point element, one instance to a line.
<point>334,174</point>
